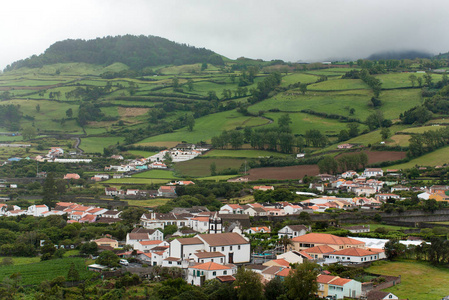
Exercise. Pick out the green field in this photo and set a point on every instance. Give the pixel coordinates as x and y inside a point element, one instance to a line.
<point>140,153</point>
<point>36,272</point>
<point>435,158</point>
<point>422,129</point>
<point>298,77</point>
<point>134,180</point>
<point>419,280</point>
<point>243,153</point>
<point>148,202</point>
<point>208,126</point>
<point>338,85</point>
<point>97,144</point>
<point>201,167</point>
<point>156,174</point>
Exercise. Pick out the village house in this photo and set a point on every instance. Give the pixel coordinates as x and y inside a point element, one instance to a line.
<point>318,239</point>
<point>142,234</point>
<point>262,229</point>
<point>37,210</point>
<point>111,191</point>
<point>231,209</point>
<point>198,274</point>
<point>385,197</point>
<point>235,247</point>
<point>158,220</point>
<point>263,188</point>
<point>69,176</point>
<point>292,231</point>
<point>106,242</point>
<point>319,252</point>
<point>146,246</point>
<point>352,256</point>
<point>373,172</point>
<point>166,191</point>
<point>338,287</point>
<point>204,257</point>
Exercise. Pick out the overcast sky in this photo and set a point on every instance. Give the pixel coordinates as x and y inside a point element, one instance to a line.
<point>291,30</point>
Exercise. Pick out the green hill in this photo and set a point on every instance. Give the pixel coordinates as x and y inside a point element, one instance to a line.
<point>137,52</point>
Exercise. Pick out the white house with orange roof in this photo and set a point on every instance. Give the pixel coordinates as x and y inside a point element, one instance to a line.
<point>88,218</point>
<point>37,210</point>
<point>157,165</point>
<point>292,231</point>
<point>3,208</point>
<point>373,172</point>
<point>231,209</point>
<point>349,174</point>
<point>292,209</point>
<point>106,242</point>
<point>318,252</point>
<point>258,229</point>
<point>69,176</point>
<point>146,246</point>
<point>318,239</point>
<point>16,212</point>
<point>200,224</point>
<point>337,287</point>
<point>198,274</point>
<point>352,256</point>
<point>263,188</point>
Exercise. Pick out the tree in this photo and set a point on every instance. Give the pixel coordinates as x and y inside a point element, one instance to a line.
<point>285,241</point>
<point>301,283</point>
<point>131,215</point>
<point>38,108</point>
<point>303,88</point>
<point>213,169</point>
<point>274,288</point>
<point>108,258</point>
<point>420,81</point>
<point>385,133</point>
<point>412,79</point>
<point>190,84</point>
<point>284,122</point>
<point>248,285</point>
<point>49,190</point>
<point>29,133</point>
<point>343,135</point>
<point>47,250</point>
<point>190,120</point>
<point>353,129</point>
<point>428,79</point>
<point>328,164</point>
<point>175,82</point>
<point>69,113</point>
<point>89,248</point>
<point>73,274</point>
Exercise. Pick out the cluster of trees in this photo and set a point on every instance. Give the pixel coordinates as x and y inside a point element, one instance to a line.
<point>265,87</point>
<point>89,112</point>
<point>416,115</point>
<point>374,83</point>
<point>88,93</point>
<point>353,161</point>
<point>10,116</point>
<point>137,52</point>
<point>437,252</point>
<point>377,120</point>
<point>428,141</point>
<point>272,196</point>
<point>277,138</point>
<point>352,131</point>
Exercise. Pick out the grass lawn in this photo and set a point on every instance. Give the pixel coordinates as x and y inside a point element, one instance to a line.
<point>201,167</point>
<point>36,272</point>
<point>97,144</point>
<point>419,280</point>
<point>243,153</point>
<point>437,157</point>
<point>156,174</point>
<point>208,126</point>
<point>399,140</point>
<point>148,202</point>
<point>298,77</point>
<point>338,85</point>
<point>422,129</point>
<point>133,180</point>
<point>140,153</point>
<point>23,260</point>
<point>217,178</point>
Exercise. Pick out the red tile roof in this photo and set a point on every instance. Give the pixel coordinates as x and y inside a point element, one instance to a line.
<point>354,252</point>
<point>210,266</point>
<point>324,238</point>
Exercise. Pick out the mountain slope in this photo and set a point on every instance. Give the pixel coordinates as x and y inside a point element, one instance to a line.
<point>137,52</point>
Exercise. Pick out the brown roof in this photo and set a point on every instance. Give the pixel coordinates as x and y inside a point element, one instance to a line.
<point>139,236</point>
<point>210,266</point>
<point>226,278</point>
<point>340,281</point>
<point>354,252</point>
<point>298,227</point>
<point>189,241</point>
<point>320,249</point>
<point>143,230</point>
<point>208,254</point>
<point>105,240</point>
<point>223,239</point>
<point>325,278</point>
<point>324,238</point>
<point>272,270</point>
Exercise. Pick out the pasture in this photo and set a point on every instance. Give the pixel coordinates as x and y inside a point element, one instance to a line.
<point>34,273</point>
<point>435,158</point>
<point>208,126</point>
<point>243,153</point>
<point>97,144</point>
<point>156,174</point>
<point>419,280</point>
<point>201,167</point>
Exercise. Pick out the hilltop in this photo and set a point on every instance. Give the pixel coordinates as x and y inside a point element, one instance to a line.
<point>137,52</point>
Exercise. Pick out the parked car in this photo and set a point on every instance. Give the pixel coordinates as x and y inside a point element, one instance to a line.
<point>124,262</point>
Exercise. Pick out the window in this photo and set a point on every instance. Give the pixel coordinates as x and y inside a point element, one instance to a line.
<point>238,247</point>
<point>230,248</point>
<point>169,262</point>
<point>202,260</point>
<point>215,249</point>
<point>222,248</point>
<point>225,272</point>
